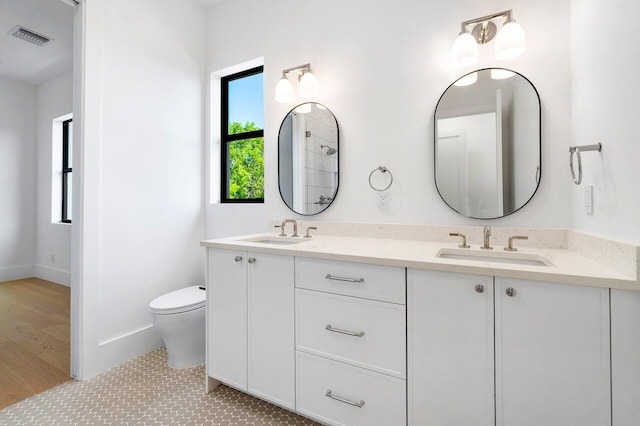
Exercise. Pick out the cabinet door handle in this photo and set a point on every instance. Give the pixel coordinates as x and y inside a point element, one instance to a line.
<point>251,260</point>
<point>511,292</point>
<point>479,288</point>
<point>329,327</point>
<point>347,279</point>
<point>238,258</point>
<point>330,394</point>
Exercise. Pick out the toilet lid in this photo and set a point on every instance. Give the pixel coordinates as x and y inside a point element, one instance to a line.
<point>183,300</point>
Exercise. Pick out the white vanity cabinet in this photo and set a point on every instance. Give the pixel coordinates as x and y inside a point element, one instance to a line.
<point>625,357</point>
<point>251,323</point>
<point>350,342</point>
<point>227,317</point>
<point>551,352</point>
<point>450,349</point>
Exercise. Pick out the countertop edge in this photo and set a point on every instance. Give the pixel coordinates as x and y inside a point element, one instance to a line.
<point>442,265</point>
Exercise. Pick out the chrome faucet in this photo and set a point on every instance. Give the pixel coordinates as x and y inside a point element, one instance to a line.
<point>487,234</point>
<point>295,227</point>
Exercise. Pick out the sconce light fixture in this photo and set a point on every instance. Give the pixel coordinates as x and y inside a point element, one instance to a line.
<point>510,40</point>
<point>501,74</point>
<point>307,86</point>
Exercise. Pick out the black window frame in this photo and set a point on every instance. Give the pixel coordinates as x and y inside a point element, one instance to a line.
<point>66,170</point>
<point>226,138</point>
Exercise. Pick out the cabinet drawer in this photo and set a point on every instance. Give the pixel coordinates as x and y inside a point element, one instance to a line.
<point>362,332</point>
<point>375,282</point>
<point>339,394</point>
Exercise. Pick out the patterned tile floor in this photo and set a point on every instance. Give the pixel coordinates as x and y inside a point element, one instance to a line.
<point>145,391</point>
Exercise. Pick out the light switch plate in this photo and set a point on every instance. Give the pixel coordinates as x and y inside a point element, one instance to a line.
<point>382,200</point>
<point>588,199</point>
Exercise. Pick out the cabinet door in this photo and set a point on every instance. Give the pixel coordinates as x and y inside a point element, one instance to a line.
<point>552,354</point>
<point>625,356</point>
<point>450,343</point>
<point>271,328</point>
<point>227,317</point>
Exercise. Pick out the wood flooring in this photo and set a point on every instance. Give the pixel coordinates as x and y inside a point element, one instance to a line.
<point>34,338</point>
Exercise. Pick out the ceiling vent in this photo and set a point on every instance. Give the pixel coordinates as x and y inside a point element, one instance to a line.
<point>29,35</point>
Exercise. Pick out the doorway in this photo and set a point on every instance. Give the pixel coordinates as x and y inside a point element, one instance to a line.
<point>36,78</point>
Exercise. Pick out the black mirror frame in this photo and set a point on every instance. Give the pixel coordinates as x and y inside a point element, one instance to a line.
<point>435,138</point>
<point>338,153</point>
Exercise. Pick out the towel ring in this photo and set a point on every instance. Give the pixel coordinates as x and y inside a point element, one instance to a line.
<point>577,180</point>
<point>383,170</point>
<point>576,150</point>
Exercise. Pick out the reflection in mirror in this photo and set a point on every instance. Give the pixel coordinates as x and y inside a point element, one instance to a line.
<point>308,158</point>
<point>487,143</point>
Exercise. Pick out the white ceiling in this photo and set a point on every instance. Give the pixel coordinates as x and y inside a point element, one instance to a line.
<point>26,62</point>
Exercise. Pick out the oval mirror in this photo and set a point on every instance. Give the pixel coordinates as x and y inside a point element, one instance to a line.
<point>487,143</point>
<point>308,158</point>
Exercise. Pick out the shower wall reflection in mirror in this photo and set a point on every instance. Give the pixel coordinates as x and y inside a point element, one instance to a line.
<point>487,143</point>
<point>308,158</point>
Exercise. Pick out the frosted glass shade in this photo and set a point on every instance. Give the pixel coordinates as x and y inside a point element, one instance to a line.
<point>500,74</point>
<point>284,91</point>
<point>465,50</point>
<point>467,80</point>
<point>304,108</point>
<point>510,41</point>
<point>308,85</point>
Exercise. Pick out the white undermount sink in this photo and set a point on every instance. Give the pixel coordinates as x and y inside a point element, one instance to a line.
<point>496,256</point>
<point>280,241</point>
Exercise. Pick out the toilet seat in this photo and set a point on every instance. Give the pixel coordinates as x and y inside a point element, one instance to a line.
<point>179,301</point>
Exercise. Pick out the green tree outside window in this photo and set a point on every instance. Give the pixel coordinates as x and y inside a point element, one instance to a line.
<point>246,163</point>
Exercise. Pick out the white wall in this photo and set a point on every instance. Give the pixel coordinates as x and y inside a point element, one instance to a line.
<point>142,163</point>
<point>382,68</point>
<point>17,179</point>
<point>605,109</point>
<point>53,248</point>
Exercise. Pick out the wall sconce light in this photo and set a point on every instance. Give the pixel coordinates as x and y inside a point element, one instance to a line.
<point>501,74</point>
<point>510,40</point>
<point>307,86</point>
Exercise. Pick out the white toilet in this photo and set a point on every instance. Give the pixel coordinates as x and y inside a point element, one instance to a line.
<point>179,316</point>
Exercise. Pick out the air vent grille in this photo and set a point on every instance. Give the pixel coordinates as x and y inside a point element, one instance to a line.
<point>29,35</point>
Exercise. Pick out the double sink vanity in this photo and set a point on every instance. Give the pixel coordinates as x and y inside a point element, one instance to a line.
<point>396,324</point>
<point>377,324</point>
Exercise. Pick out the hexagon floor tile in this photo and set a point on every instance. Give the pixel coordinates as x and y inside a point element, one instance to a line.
<point>145,391</point>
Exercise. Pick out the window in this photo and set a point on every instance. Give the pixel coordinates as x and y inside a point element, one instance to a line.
<point>67,177</point>
<point>242,171</point>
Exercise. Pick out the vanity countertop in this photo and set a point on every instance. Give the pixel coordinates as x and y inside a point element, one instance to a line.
<point>567,265</point>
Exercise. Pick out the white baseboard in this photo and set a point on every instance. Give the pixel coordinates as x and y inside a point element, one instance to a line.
<point>16,272</point>
<point>57,276</point>
<point>120,349</point>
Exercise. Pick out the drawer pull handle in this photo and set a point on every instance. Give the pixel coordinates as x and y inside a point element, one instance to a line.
<point>238,258</point>
<point>329,394</point>
<point>347,279</point>
<point>347,332</point>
